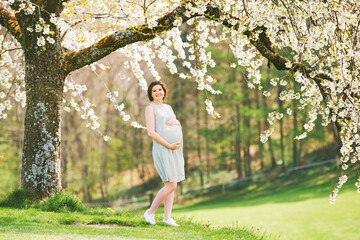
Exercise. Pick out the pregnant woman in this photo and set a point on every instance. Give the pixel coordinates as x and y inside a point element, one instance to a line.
<point>165,130</point>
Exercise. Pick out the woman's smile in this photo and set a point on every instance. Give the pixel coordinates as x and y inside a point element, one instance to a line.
<point>158,92</point>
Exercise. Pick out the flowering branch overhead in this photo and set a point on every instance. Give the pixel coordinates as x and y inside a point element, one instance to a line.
<point>75,60</point>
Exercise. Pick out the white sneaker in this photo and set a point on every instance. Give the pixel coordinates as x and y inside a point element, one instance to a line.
<point>149,218</point>
<point>171,222</point>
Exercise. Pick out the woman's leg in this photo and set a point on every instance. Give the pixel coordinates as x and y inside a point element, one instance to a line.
<point>168,203</point>
<point>161,196</point>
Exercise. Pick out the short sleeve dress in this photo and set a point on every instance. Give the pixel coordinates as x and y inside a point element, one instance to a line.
<point>168,163</point>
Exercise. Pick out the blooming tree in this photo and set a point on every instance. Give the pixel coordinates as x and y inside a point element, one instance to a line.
<point>42,41</point>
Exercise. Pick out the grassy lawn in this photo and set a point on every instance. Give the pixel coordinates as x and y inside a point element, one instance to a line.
<point>105,224</point>
<point>297,209</point>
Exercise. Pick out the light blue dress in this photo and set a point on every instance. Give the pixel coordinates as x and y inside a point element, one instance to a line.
<point>168,163</point>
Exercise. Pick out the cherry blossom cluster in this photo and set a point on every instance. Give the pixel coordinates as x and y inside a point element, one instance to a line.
<point>264,137</point>
<point>25,6</point>
<point>12,87</point>
<point>112,96</point>
<point>81,104</point>
<point>210,109</point>
<point>343,179</point>
<point>199,58</point>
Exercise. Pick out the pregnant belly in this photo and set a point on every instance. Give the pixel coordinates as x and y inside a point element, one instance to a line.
<point>171,134</point>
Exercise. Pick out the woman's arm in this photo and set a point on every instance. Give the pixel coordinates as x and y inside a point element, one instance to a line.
<point>150,126</point>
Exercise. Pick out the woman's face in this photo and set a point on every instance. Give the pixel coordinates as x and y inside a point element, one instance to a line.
<point>157,93</point>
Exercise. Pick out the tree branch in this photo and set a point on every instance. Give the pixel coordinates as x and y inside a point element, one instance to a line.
<point>10,22</point>
<point>263,44</point>
<point>110,43</point>
<point>259,39</point>
<point>75,60</point>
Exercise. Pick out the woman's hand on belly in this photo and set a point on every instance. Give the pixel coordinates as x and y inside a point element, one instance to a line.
<point>173,121</point>
<point>174,146</point>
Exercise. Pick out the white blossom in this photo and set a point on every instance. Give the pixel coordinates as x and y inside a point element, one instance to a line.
<point>41,41</point>
<point>38,28</point>
<point>50,40</point>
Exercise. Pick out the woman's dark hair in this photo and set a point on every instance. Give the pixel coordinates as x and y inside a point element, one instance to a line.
<point>154,83</point>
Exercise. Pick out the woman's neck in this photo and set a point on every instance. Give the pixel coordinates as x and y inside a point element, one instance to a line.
<point>158,102</point>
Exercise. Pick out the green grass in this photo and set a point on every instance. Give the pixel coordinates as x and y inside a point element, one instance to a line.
<point>64,217</point>
<point>37,224</point>
<point>297,208</point>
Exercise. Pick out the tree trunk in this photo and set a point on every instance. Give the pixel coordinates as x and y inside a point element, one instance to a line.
<point>103,162</point>
<point>64,162</point>
<point>238,159</point>
<point>259,125</point>
<point>120,132</point>
<point>281,133</point>
<point>295,142</point>
<point>208,164</point>
<point>336,134</point>
<point>272,157</point>
<point>19,167</point>
<point>247,148</point>
<point>103,159</point>
<point>44,91</point>
<point>198,139</point>
<point>282,144</point>
<point>247,128</point>
<point>66,147</point>
<point>82,156</point>
<point>140,138</point>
